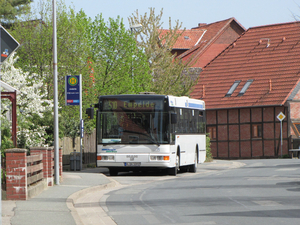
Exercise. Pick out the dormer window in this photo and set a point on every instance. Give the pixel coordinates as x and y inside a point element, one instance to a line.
<point>233,87</point>
<point>246,86</point>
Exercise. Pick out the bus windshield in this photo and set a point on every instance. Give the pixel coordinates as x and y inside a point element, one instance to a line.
<point>138,122</point>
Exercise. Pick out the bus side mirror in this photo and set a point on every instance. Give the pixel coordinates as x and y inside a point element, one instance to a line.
<point>90,113</point>
<point>173,118</point>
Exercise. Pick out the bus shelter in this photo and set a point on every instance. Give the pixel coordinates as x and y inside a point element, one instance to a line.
<point>10,92</point>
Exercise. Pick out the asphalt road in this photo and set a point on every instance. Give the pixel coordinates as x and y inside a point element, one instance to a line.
<point>259,192</point>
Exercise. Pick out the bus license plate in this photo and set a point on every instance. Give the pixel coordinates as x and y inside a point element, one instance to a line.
<point>132,164</point>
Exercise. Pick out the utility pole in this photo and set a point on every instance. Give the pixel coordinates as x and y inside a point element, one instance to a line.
<point>56,147</point>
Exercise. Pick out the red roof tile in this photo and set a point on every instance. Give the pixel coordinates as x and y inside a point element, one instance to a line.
<point>213,31</point>
<point>187,38</point>
<point>268,54</point>
<point>201,34</point>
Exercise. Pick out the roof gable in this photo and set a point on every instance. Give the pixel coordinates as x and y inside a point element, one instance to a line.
<point>204,33</point>
<point>187,38</point>
<point>268,55</point>
<point>217,37</point>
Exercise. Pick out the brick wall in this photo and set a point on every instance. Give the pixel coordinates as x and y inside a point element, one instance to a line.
<point>16,174</point>
<point>16,170</point>
<point>235,130</point>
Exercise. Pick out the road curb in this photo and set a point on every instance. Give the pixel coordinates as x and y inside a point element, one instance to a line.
<point>228,164</point>
<point>72,199</point>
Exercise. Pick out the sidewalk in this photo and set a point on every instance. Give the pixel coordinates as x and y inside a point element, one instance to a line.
<point>55,204</point>
<point>76,201</point>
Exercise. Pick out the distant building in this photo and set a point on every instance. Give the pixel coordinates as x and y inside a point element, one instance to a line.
<point>203,43</point>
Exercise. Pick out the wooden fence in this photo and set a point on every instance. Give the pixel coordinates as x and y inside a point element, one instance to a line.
<point>68,146</point>
<point>34,169</point>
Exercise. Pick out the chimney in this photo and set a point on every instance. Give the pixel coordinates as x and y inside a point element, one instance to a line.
<point>270,85</point>
<point>268,41</point>
<point>201,24</point>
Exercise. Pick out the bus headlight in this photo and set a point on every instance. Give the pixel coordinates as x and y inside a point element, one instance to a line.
<point>106,157</point>
<point>159,158</point>
<point>152,157</point>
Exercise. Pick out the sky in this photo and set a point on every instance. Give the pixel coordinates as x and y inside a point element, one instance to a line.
<point>249,13</point>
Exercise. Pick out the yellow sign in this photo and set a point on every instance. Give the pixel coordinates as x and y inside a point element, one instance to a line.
<point>73,81</point>
<point>280,116</point>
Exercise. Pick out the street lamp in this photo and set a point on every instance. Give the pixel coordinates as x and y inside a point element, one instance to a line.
<point>134,28</point>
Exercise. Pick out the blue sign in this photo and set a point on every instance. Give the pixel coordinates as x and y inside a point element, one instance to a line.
<point>72,90</point>
<point>7,45</point>
<point>81,128</point>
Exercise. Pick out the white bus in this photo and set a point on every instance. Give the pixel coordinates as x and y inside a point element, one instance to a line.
<point>148,131</point>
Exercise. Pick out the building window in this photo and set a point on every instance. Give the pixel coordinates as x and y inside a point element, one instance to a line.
<point>233,87</point>
<point>245,88</point>
<point>256,131</point>
<point>212,133</point>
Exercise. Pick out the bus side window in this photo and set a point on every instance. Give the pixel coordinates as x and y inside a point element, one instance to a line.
<point>173,118</point>
<point>177,125</point>
<point>201,122</point>
<point>193,121</point>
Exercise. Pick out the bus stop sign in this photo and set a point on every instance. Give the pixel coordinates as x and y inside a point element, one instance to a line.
<point>8,44</point>
<point>72,89</point>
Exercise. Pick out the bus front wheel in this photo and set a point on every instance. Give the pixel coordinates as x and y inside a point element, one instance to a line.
<point>174,170</point>
<point>113,172</point>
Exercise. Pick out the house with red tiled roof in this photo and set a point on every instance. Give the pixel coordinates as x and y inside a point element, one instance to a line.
<point>201,44</point>
<point>216,37</point>
<point>187,40</point>
<point>245,89</point>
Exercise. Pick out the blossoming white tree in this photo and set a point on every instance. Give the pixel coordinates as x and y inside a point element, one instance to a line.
<point>31,102</point>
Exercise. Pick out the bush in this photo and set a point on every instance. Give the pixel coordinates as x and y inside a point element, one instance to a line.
<point>6,143</point>
<point>209,157</point>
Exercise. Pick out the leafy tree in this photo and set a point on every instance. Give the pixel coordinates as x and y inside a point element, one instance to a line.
<point>119,67</point>
<point>11,9</point>
<point>105,54</point>
<point>170,76</point>
<point>36,54</point>
<point>35,35</point>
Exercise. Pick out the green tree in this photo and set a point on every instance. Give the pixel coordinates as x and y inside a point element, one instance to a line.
<point>105,54</point>
<point>119,67</point>
<point>170,76</point>
<point>35,54</point>
<point>11,9</point>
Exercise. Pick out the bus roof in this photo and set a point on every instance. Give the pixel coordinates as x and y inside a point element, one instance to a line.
<point>186,102</point>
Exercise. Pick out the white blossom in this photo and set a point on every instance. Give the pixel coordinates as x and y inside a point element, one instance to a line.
<point>31,99</point>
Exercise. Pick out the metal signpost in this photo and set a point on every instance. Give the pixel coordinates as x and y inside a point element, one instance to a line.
<point>73,96</point>
<point>281,117</point>
<point>7,46</point>
<point>55,97</point>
